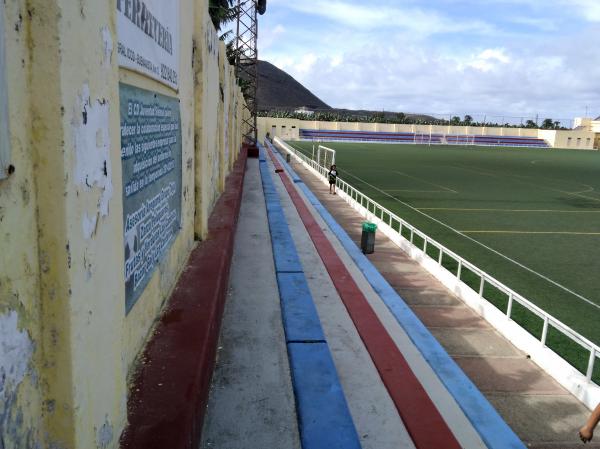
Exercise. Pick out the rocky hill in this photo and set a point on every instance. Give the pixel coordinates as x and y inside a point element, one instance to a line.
<point>278,90</point>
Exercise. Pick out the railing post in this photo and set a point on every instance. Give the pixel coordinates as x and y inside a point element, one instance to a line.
<point>510,303</point>
<point>512,297</point>
<point>544,331</point>
<point>590,368</point>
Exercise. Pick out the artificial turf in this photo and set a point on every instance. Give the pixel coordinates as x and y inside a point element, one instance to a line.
<point>538,207</point>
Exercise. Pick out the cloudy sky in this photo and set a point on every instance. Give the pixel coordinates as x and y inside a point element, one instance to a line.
<point>495,57</point>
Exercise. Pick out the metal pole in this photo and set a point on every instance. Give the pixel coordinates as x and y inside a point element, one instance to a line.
<point>247,62</point>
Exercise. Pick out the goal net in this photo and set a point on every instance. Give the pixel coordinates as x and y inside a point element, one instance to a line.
<point>325,156</point>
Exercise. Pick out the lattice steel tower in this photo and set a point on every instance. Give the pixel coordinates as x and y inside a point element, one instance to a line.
<point>246,63</point>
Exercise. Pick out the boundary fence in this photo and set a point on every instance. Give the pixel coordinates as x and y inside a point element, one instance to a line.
<point>419,141</point>
<point>579,384</point>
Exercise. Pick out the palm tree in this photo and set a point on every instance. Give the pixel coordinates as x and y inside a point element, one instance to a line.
<point>221,12</point>
<point>530,124</point>
<point>548,123</point>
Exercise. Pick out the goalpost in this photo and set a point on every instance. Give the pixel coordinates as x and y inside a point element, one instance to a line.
<point>325,156</point>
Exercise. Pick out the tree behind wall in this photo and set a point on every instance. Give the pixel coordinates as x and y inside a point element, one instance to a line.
<point>221,12</point>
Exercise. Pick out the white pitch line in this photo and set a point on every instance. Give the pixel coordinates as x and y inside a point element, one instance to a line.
<point>560,211</point>
<point>491,231</point>
<point>562,287</point>
<point>426,182</point>
<point>418,191</point>
<point>517,178</point>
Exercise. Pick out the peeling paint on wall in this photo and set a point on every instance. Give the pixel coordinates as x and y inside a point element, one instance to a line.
<point>16,349</point>
<point>108,45</point>
<point>88,224</point>
<point>105,434</point>
<point>4,137</point>
<point>92,154</point>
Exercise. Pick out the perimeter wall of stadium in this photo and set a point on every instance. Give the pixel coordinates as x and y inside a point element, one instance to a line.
<point>67,106</point>
<point>289,129</point>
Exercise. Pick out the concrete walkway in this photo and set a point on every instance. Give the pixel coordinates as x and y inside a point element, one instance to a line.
<point>252,401</point>
<point>541,412</point>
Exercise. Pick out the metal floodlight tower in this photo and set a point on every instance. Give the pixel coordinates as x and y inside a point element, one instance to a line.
<point>246,61</point>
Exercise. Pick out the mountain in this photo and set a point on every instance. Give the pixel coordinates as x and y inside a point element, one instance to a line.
<point>278,90</point>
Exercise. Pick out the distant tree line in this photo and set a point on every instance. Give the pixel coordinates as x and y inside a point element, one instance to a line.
<point>401,118</point>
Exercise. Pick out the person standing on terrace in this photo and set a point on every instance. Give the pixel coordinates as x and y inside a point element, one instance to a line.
<point>332,179</point>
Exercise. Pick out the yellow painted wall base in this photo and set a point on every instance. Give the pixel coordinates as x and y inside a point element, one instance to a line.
<point>65,338</point>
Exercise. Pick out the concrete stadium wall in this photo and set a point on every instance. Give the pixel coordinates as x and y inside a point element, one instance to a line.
<point>588,124</point>
<point>289,129</point>
<point>577,139</point>
<point>67,345</point>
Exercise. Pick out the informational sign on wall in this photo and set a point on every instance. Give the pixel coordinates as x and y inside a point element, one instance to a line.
<point>151,161</point>
<point>148,33</point>
<point>4,137</point>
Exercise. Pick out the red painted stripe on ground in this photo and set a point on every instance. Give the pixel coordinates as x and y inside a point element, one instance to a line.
<point>422,419</point>
<point>167,400</point>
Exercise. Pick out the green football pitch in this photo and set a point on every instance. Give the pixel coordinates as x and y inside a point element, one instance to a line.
<point>528,217</point>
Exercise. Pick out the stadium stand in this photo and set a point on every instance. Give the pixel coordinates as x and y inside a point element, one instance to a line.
<point>451,139</point>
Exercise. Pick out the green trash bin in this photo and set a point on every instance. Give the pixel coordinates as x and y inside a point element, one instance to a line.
<point>367,241</point>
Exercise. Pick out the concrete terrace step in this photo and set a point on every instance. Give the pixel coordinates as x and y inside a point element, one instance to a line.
<point>252,402</point>
<point>257,397</point>
<point>541,412</point>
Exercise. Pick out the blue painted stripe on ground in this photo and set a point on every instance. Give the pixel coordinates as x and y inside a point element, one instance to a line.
<point>319,395</point>
<point>285,256</point>
<point>300,318</point>
<point>485,419</point>
<point>324,418</point>
<point>286,259</point>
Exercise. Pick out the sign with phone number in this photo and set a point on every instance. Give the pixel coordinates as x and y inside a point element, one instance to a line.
<point>148,34</point>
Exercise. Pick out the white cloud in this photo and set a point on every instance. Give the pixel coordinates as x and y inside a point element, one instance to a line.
<point>269,36</point>
<point>588,9</point>
<point>336,61</point>
<point>544,24</point>
<point>493,81</point>
<point>489,59</point>
<point>378,58</point>
<point>419,21</point>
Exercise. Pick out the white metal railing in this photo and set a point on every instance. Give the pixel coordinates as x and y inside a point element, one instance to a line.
<point>397,224</point>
